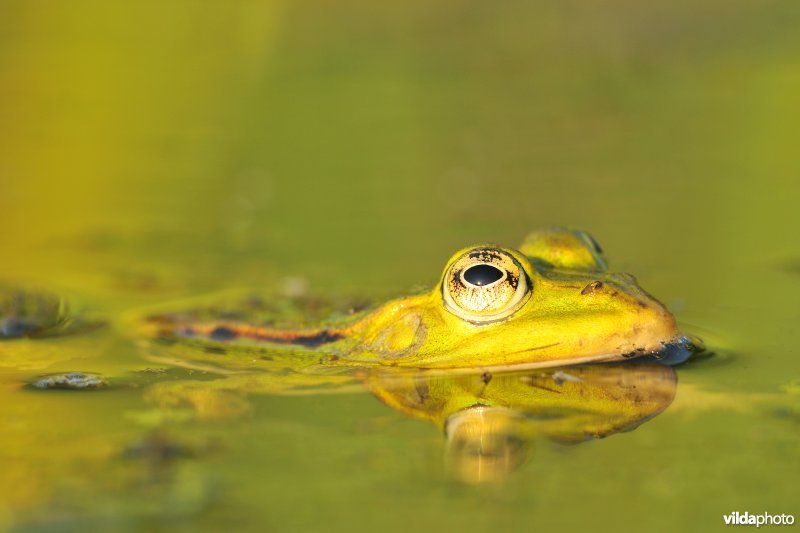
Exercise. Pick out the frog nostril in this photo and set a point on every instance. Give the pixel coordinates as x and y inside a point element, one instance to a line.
<point>592,287</point>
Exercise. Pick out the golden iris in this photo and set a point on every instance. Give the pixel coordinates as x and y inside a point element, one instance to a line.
<point>484,285</point>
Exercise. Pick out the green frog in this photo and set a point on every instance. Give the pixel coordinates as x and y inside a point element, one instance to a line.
<point>549,302</point>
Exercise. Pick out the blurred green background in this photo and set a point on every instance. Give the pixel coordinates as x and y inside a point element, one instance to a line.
<point>155,150</point>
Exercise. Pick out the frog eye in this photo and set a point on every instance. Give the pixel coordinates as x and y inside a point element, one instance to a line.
<point>484,285</point>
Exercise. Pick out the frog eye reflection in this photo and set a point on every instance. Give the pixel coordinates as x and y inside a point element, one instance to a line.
<point>484,285</point>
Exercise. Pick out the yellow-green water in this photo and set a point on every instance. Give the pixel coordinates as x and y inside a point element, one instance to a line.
<point>153,152</point>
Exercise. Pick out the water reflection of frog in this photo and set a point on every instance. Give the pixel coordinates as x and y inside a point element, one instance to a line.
<point>550,302</point>
<point>490,422</point>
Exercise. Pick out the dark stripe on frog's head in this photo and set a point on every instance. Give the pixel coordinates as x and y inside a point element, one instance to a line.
<point>312,340</point>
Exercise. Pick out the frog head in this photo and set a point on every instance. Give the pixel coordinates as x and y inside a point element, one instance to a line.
<point>549,302</point>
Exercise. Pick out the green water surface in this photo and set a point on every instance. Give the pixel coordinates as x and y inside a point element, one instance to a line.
<point>156,151</point>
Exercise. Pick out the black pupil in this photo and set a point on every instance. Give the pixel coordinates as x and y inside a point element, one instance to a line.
<point>482,274</point>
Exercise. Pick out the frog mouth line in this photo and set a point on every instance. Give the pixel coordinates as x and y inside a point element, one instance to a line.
<point>673,352</point>
<point>542,347</point>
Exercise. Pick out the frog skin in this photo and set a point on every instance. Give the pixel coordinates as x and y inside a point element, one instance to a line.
<point>550,302</point>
